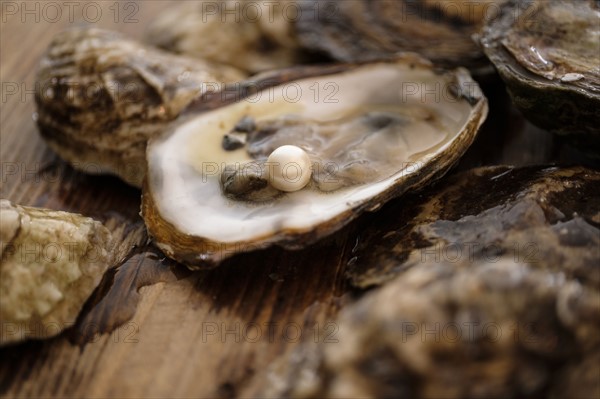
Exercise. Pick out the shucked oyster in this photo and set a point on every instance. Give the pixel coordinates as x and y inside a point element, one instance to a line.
<point>100,96</point>
<point>51,263</point>
<point>548,53</point>
<point>369,131</point>
<point>253,36</point>
<point>360,30</point>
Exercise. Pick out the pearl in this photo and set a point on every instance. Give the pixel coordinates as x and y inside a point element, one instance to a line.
<point>288,168</point>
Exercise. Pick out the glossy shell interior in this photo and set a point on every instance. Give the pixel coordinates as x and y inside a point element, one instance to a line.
<point>192,221</point>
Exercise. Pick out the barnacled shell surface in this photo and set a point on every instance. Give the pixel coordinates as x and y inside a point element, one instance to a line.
<point>101,96</point>
<point>51,263</point>
<point>514,316</point>
<point>253,36</point>
<point>365,30</point>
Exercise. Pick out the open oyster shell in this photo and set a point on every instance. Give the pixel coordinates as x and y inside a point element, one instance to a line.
<point>384,127</point>
<point>253,36</point>
<point>548,54</point>
<point>51,263</point>
<point>361,30</point>
<point>100,96</point>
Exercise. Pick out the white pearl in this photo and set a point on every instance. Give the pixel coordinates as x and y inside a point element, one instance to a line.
<point>288,168</point>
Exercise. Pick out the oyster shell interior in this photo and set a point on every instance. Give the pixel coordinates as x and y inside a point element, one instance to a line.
<point>376,135</point>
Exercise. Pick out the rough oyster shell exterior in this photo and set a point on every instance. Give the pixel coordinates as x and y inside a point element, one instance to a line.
<point>101,96</point>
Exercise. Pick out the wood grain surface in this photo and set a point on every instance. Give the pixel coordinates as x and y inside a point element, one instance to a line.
<point>153,329</point>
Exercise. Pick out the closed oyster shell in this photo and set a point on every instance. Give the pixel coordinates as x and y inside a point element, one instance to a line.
<point>548,54</point>
<point>361,30</point>
<point>101,96</point>
<point>194,222</point>
<point>515,317</point>
<point>253,36</point>
<point>494,330</point>
<point>534,213</point>
<point>51,263</point>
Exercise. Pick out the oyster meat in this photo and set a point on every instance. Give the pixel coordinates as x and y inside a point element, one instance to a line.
<point>377,130</point>
<point>366,30</point>
<point>253,36</point>
<point>548,54</point>
<point>100,97</point>
<point>51,263</point>
<point>516,316</point>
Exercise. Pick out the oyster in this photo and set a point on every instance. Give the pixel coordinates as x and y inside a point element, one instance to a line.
<point>377,130</point>
<point>492,330</point>
<point>100,96</point>
<point>517,316</point>
<point>533,213</point>
<point>548,54</point>
<point>249,35</point>
<point>51,263</point>
<point>360,30</point>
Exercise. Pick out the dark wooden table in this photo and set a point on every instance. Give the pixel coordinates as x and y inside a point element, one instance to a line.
<point>169,332</point>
